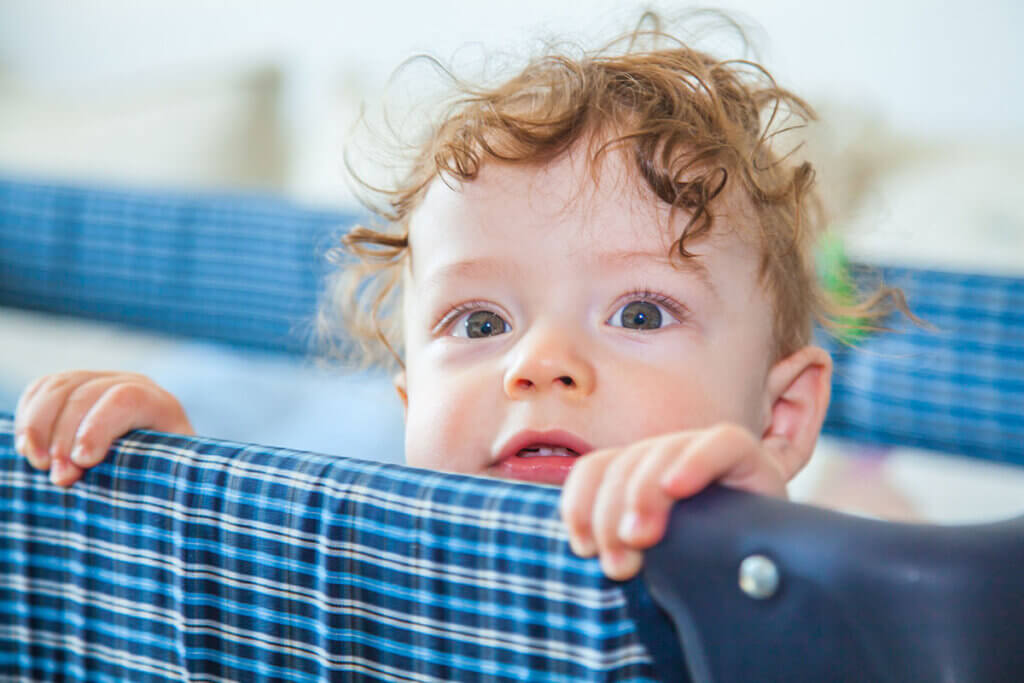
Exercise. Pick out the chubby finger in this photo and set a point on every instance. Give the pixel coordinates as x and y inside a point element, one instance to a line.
<point>618,560</point>
<point>647,503</point>
<point>577,502</point>
<point>728,454</point>
<point>66,425</point>
<point>122,407</point>
<point>65,473</point>
<point>38,409</point>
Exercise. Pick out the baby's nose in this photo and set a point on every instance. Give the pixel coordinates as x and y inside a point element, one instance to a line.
<point>548,363</point>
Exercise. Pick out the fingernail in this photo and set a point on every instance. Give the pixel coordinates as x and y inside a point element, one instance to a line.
<point>56,471</point>
<point>621,564</point>
<point>581,547</point>
<point>629,526</point>
<point>78,455</point>
<point>20,444</point>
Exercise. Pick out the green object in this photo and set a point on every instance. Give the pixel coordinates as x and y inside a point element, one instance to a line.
<point>834,271</point>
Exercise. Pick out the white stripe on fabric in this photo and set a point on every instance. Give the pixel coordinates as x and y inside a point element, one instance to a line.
<point>486,638</point>
<point>132,661</point>
<point>550,528</point>
<point>419,568</point>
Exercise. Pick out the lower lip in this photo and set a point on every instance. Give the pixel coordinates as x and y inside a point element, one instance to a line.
<point>541,469</point>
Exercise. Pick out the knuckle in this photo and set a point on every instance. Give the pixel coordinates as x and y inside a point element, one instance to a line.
<point>78,397</point>
<point>127,395</point>
<point>58,381</point>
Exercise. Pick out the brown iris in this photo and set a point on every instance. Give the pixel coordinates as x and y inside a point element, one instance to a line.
<point>484,324</point>
<point>641,315</point>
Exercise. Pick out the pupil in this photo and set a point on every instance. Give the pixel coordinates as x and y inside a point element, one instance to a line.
<point>484,324</point>
<point>641,315</point>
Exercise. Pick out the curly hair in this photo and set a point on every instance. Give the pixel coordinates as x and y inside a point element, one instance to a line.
<point>697,128</point>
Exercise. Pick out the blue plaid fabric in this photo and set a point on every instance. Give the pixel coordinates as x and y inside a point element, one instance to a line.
<point>242,269</point>
<point>207,560</point>
<point>958,388</point>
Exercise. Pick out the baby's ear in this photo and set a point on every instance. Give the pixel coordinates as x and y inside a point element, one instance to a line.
<point>399,381</point>
<point>797,392</point>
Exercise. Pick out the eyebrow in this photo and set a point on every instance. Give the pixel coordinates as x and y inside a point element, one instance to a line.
<point>690,265</point>
<point>472,268</point>
<point>502,269</point>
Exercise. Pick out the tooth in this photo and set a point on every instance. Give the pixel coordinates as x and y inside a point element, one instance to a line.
<point>536,451</point>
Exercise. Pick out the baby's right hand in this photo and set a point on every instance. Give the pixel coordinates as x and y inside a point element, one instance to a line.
<point>66,422</point>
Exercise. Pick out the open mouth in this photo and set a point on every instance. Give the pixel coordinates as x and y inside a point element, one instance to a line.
<point>540,456</point>
<point>540,451</point>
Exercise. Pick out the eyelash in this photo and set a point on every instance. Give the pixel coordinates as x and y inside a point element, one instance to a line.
<point>677,310</point>
<point>455,313</point>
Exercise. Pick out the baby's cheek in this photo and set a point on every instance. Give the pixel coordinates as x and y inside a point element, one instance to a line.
<point>683,406</point>
<point>438,437</point>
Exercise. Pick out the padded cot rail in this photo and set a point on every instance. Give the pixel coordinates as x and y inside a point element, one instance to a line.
<point>189,558</point>
<point>205,560</point>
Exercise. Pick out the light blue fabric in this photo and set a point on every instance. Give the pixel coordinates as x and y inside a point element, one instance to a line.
<point>957,388</point>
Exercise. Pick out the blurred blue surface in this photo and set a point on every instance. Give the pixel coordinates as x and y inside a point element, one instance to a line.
<point>281,400</point>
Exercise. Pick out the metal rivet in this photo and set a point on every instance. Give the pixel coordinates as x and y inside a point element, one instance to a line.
<point>759,577</point>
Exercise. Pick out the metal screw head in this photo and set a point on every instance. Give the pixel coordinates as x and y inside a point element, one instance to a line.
<point>759,577</point>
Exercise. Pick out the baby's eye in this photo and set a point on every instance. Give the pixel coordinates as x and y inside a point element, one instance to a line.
<point>478,324</point>
<point>641,315</point>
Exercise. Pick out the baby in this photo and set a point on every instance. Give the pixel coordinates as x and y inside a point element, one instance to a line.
<point>597,275</point>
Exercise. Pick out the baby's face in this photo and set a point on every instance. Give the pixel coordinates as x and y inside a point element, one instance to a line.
<point>543,319</point>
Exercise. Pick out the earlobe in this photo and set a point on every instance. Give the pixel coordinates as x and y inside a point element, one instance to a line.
<point>798,391</point>
<point>400,387</point>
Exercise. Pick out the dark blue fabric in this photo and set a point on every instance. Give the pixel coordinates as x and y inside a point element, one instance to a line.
<point>243,269</point>
<point>200,559</point>
<point>958,388</point>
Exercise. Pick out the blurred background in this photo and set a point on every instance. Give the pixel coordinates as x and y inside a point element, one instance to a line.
<point>918,148</point>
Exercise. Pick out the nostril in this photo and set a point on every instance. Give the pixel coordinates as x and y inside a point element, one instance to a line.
<point>567,381</point>
<point>524,383</point>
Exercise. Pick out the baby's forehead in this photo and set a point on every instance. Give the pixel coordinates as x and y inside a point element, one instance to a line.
<point>515,224</point>
<point>599,206</point>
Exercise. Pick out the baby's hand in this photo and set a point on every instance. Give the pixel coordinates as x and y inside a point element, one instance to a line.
<point>66,422</point>
<point>616,501</point>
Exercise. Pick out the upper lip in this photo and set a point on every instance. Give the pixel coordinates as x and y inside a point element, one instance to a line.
<point>551,437</point>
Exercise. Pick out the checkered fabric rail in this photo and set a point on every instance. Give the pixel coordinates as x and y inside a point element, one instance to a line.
<point>243,269</point>
<point>207,560</point>
<point>958,388</point>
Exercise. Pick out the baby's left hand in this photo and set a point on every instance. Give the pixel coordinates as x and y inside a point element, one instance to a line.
<point>616,501</point>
